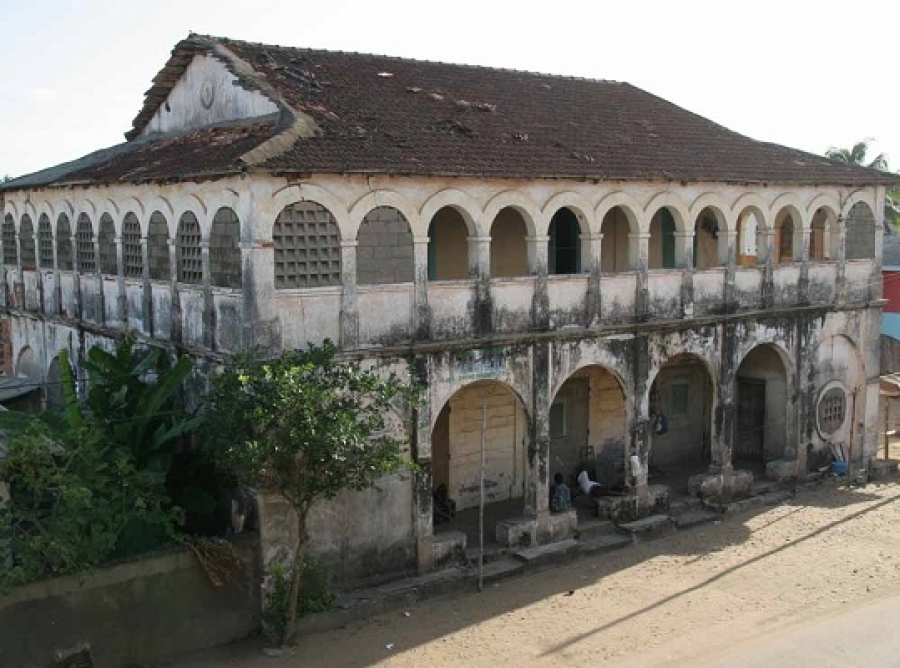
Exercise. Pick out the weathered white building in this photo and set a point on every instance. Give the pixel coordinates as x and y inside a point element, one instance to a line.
<point>608,274</point>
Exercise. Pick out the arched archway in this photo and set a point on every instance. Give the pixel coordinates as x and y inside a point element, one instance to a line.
<point>158,250</point>
<point>10,246</point>
<point>588,429</point>
<point>384,253</point>
<point>680,408</point>
<point>509,250</point>
<point>662,251</point>
<point>456,455</point>
<point>26,241</point>
<point>26,364</point>
<point>787,237</point>
<point>762,409</point>
<point>106,241</point>
<point>45,242</point>
<point>823,235</point>
<point>64,243</point>
<point>616,229</point>
<point>708,230</point>
<point>750,227</point>
<point>448,248</point>
<point>564,250</point>
<point>225,263</point>
<point>860,237</point>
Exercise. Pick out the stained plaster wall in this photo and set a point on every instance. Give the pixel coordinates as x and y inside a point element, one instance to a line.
<point>205,95</point>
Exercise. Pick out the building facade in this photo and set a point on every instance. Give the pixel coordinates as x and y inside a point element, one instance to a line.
<point>696,316</point>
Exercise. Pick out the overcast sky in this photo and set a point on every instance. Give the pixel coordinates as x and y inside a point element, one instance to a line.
<point>797,72</point>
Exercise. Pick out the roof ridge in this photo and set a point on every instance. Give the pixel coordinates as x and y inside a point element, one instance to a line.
<point>405,59</point>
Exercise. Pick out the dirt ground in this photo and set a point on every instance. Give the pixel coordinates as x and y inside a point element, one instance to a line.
<point>683,598</point>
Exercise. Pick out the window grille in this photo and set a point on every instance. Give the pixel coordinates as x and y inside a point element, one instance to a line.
<point>307,247</point>
<point>225,250</point>
<point>131,247</point>
<point>107,242</point>
<point>10,250</point>
<point>158,248</point>
<point>64,243</point>
<point>832,410</point>
<point>84,245</point>
<point>45,243</point>
<point>188,254</point>
<point>26,240</point>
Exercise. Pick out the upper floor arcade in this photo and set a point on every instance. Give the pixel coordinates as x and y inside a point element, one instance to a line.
<point>386,261</point>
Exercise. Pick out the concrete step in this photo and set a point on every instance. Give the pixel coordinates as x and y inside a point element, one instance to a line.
<point>684,505</point>
<point>500,569</point>
<point>648,528</point>
<point>694,518</point>
<point>594,529</point>
<point>551,552</point>
<point>491,553</point>
<point>768,499</point>
<point>606,543</point>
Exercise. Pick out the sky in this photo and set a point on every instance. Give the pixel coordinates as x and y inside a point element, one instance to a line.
<point>806,74</point>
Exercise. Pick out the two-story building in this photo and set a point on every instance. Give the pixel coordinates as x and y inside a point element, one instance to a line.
<point>596,275</point>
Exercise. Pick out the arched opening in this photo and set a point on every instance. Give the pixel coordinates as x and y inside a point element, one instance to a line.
<point>131,246</point>
<point>45,242</point>
<point>680,410</point>
<point>384,253</point>
<point>860,237</point>
<point>54,398</point>
<point>188,250</point>
<point>822,235</point>
<point>158,251</point>
<point>307,245</point>
<point>509,250</point>
<point>750,226</point>
<point>614,251</point>
<point>456,458</point>
<point>761,416</point>
<point>564,251</point>
<point>64,243</point>
<point>661,253</point>
<point>787,231</point>
<point>10,247</point>
<point>708,228</point>
<point>588,432</point>
<point>106,240</point>
<point>26,241</point>
<point>26,365</point>
<point>448,249</point>
<point>84,245</point>
<point>224,249</point>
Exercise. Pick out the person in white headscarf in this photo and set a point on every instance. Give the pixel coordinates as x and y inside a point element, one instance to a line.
<point>588,486</point>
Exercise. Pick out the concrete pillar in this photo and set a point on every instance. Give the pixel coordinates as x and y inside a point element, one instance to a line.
<point>209,312</point>
<point>728,259</point>
<point>766,255</point>
<point>803,280</point>
<point>640,423</point>
<point>423,481</point>
<point>685,241</point>
<point>421,313</point>
<point>349,322</point>
<point>593,244</point>
<point>537,465</point>
<point>57,289</point>
<point>147,292</point>
<point>537,263</point>
<point>19,280</point>
<point>122,304</point>
<point>841,248</point>
<point>639,259</point>
<point>724,411</point>
<point>480,273</point>
<point>100,304</point>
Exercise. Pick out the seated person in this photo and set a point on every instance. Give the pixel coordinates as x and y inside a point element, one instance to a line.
<point>588,486</point>
<point>560,496</point>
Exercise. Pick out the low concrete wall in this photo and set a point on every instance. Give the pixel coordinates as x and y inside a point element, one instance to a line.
<point>132,612</point>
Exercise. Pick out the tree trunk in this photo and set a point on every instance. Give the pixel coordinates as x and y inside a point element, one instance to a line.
<point>290,621</point>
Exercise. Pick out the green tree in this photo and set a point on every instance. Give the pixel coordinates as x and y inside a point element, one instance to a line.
<point>857,155</point>
<point>307,426</point>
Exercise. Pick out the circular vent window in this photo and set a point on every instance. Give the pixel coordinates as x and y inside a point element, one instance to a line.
<point>832,410</point>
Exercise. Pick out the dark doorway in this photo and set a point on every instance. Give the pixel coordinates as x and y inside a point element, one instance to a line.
<point>565,243</point>
<point>751,420</point>
<point>440,448</point>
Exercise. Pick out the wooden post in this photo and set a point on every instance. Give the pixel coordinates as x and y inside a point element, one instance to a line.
<point>481,496</point>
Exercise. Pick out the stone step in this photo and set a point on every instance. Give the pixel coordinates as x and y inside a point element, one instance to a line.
<point>684,505</point>
<point>548,553</point>
<point>648,528</point>
<point>606,543</point>
<point>768,499</point>
<point>595,528</point>
<point>694,518</point>
<point>500,569</point>
<point>491,553</point>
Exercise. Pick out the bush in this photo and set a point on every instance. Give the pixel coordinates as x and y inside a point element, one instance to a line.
<point>315,594</point>
<point>75,502</point>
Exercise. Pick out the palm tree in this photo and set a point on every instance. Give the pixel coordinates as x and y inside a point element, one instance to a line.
<point>857,156</point>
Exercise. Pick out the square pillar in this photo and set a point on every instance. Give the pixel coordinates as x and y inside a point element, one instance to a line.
<point>421,325</point>
<point>639,259</point>
<point>480,272</point>
<point>537,264</point>
<point>685,241</point>
<point>349,320</point>
<point>592,245</point>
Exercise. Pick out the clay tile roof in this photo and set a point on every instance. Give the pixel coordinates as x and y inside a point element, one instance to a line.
<point>356,113</point>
